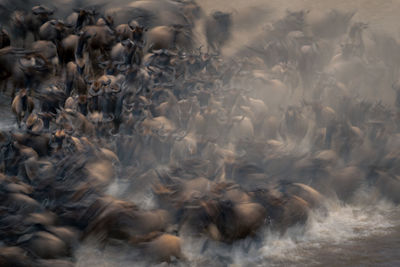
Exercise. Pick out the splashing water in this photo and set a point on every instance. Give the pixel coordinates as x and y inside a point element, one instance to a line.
<point>345,229</point>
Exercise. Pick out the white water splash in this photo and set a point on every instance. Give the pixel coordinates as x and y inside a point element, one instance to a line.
<point>344,225</point>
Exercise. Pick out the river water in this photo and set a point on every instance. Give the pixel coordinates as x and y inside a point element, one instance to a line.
<point>366,233</point>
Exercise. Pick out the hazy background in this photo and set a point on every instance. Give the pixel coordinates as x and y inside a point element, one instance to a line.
<point>382,15</point>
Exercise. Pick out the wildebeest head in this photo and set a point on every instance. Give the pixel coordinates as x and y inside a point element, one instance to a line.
<point>137,31</point>
<point>293,21</point>
<point>38,10</point>
<point>357,28</point>
<point>42,12</point>
<point>82,41</point>
<point>60,26</point>
<point>224,19</point>
<point>4,38</point>
<point>96,88</point>
<point>18,18</point>
<point>35,64</point>
<point>192,11</point>
<point>84,15</point>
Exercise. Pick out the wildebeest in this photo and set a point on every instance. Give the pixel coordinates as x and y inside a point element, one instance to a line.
<point>168,37</point>
<point>142,140</point>
<point>218,28</point>
<point>23,22</point>
<point>4,38</point>
<point>22,106</point>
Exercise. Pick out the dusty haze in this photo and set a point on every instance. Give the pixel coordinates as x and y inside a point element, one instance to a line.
<point>359,232</point>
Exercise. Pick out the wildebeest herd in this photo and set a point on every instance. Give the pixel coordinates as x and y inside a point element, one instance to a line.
<point>225,146</point>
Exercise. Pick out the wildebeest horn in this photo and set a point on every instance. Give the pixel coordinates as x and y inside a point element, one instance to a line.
<point>110,119</point>
<point>129,107</point>
<point>122,67</point>
<point>61,22</point>
<point>108,82</point>
<point>25,62</point>
<point>86,79</point>
<point>128,42</point>
<point>42,10</point>
<point>116,63</point>
<point>103,64</point>
<point>160,133</point>
<point>93,93</point>
<point>180,136</point>
<point>117,90</point>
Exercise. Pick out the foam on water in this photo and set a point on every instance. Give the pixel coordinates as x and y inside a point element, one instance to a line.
<point>120,189</point>
<point>344,225</point>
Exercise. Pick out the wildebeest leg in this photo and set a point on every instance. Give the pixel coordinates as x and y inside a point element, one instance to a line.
<point>28,85</point>
<point>4,85</point>
<point>205,246</point>
<point>36,35</point>
<point>68,87</point>
<point>257,241</point>
<point>14,89</point>
<point>19,121</point>
<point>247,244</point>
<point>224,259</point>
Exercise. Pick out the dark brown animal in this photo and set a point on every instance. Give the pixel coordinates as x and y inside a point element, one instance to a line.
<point>218,28</point>
<point>4,38</point>
<point>23,22</point>
<point>22,106</point>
